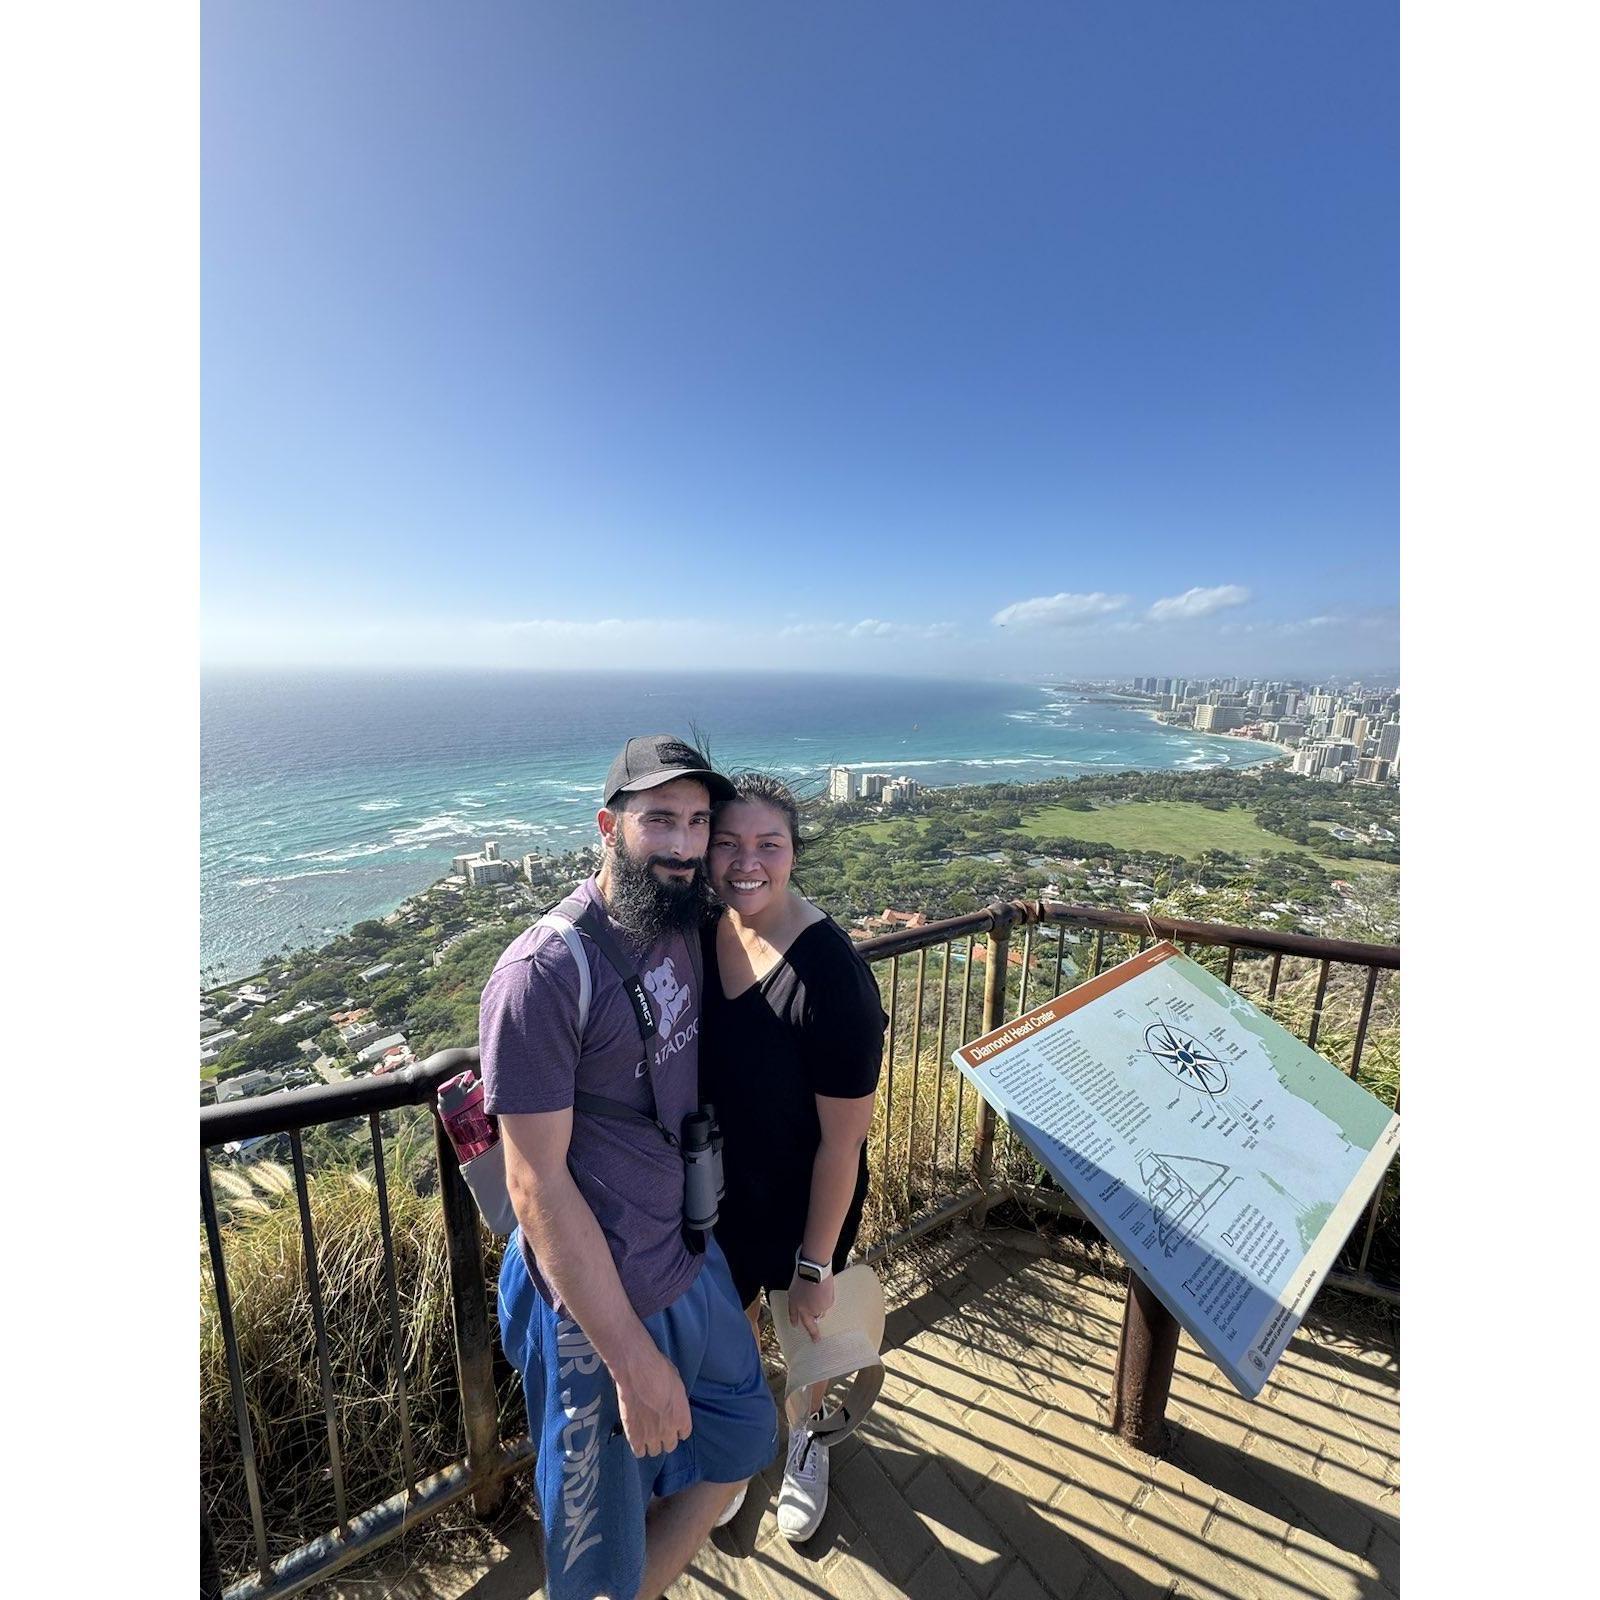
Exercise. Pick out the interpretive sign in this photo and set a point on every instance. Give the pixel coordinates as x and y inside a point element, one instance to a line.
<point>1222,1157</point>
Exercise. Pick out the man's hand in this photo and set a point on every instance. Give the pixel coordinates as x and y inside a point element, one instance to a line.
<point>809,1301</point>
<point>655,1408</point>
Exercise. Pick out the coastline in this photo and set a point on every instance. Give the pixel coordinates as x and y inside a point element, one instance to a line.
<point>1277,750</point>
<point>1045,788</point>
<point>326,803</point>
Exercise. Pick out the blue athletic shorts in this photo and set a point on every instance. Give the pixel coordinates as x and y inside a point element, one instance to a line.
<point>592,1489</point>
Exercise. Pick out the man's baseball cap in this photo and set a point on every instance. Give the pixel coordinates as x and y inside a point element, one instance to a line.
<point>656,758</point>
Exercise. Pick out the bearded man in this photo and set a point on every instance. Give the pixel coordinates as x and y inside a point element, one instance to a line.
<point>644,1383</point>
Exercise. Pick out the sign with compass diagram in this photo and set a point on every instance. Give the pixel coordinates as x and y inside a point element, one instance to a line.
<point>1185,1058</point>
<point>1222,1157</point>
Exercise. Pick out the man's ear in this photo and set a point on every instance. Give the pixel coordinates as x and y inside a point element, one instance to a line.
<point>608,822</point>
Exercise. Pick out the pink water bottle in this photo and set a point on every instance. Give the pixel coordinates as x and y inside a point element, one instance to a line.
<point>472,1130</point>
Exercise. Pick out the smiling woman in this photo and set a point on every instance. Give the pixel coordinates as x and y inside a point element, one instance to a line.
<point>791,1045</point>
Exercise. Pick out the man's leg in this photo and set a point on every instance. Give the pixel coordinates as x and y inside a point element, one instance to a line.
<point>675,1528</point>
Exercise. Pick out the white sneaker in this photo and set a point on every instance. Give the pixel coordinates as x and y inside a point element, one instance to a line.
<point>732,1511</point>
<point>804,1495</point>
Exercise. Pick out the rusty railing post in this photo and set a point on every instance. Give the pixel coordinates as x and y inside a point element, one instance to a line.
<point>1143,1378</point>
<point>994,1006</point>
<point>469,1297</point>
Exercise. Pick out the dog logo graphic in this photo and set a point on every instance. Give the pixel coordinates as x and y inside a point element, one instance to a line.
<point>669,995</point>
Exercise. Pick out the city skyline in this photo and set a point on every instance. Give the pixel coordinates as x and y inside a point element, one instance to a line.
<point>1064,342</point>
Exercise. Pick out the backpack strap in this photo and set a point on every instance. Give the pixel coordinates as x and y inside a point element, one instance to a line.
<point>592,921</point>
<point>597,1105</point>
<point>574,942</point>
<point>589,922</point>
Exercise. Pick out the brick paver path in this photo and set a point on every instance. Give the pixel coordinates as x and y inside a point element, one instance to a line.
<point>986,1469</point>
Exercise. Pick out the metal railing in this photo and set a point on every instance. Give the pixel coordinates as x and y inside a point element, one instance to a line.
<point>483,1470</point>
<point>921,1181</point>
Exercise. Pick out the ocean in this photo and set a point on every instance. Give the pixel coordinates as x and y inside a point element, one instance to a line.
<point>330,797</point>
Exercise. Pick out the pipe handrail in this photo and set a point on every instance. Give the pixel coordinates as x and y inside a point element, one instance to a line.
<point>289,1109</point>
<point>908,940</point>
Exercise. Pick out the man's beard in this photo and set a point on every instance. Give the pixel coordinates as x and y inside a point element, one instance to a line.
<point>649,909</point>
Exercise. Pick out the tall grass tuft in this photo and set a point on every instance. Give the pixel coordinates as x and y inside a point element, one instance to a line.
<point>272,1318</point>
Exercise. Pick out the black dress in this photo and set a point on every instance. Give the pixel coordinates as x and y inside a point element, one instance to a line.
<point>813,1025</point>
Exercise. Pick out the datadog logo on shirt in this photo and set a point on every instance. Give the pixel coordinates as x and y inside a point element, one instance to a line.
<point>670,1047</point>
<point>669,994</point>
<point>580,1445</point>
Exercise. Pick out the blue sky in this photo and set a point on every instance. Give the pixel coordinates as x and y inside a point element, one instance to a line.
<point>1020,338</point>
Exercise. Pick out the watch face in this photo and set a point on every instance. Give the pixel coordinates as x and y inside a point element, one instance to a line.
<point>809,1272</point>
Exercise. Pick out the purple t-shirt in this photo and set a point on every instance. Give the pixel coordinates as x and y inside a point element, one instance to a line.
<point>533,1060</point>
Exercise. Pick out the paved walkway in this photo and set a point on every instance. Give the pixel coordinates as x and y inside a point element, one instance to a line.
<point>986,1469</point>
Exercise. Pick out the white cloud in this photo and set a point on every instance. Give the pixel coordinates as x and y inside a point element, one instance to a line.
<point>570,628</point>
<point>870,628</point>
<point>1197,602</point>
<point>1383,619</point>
<point>1058,610</point>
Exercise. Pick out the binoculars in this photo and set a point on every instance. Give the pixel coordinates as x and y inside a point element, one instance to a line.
<point>703,1185</point>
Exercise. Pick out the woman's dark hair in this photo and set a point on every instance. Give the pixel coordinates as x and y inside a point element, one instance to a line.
<point>762,789</point>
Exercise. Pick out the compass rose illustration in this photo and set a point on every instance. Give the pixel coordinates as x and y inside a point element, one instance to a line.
<point>1189,1061</point>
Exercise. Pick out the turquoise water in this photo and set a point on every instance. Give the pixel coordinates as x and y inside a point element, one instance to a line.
<point>326,798</point>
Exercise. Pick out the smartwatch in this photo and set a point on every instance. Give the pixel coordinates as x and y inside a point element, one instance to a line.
<point>811,1271</point>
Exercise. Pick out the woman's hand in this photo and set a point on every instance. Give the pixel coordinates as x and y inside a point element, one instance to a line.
<point>808,1302</point>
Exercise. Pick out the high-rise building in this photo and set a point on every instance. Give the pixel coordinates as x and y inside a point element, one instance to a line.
<point>842,785</point>
<point>1322,758</point>
<point>1372,769</point>
<point>1344,724</point>
<point>1389,741</point>
<point>1218,719</point>
<point>872,785</point>
<point>489,858</point>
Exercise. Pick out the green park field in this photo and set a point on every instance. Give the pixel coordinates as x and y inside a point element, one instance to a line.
<point>1171,827</point>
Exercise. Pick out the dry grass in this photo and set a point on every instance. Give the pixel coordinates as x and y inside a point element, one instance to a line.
<point>272,1317</point>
